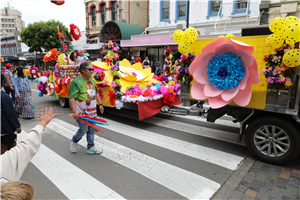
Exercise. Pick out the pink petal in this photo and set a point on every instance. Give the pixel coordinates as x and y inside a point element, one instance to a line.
<point>212,91</point>
<point>217,102</point>
<point>195,63</point>
<point>228,95</point>
<point>205,59</point>
<point>200,76</point>
<point>244,96</point>
<point>224,48</point>
<point>212,46</point>
<point>197,91</point>
<point>244,81</point>
<point>253,70</point>
<point>240,45</point>
<point>246,58</point>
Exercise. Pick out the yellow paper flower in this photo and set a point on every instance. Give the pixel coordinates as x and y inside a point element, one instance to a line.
<point>62,59</point>
<point>130,75</point>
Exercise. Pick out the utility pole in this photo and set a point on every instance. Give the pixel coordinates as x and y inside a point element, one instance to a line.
<point>187,13</point>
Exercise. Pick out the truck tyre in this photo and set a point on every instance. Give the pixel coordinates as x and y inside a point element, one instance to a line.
<point>273,140</point>
<point>63,102</point>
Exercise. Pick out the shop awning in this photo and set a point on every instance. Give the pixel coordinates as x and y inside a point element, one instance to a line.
<point>16,58</point>
<point>117,31</point>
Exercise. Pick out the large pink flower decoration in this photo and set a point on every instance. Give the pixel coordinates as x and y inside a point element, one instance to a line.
<point>204,87</point>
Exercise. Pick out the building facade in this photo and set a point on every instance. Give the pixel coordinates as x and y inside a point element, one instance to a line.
<point>11,19</point>
<point>98,12</point>
<point>283,8</point>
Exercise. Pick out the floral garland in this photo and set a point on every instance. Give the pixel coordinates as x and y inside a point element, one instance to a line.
<point>168,62</point>
<point>278,75</point>
<point>112,59</point>
<point>183,74</point>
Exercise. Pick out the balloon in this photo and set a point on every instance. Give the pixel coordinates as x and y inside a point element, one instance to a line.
<point>184,47</point>
<point>229,36</point>
<point>291,58</point>
<point>290,19</point>
<point>191,34</point>
<point>277,25</point>
<point>178,36</point>
<point>274,41</point>
<point>292,33</point>
<point>221,36</point>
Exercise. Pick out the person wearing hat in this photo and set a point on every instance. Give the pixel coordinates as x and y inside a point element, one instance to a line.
<point>81,58</point>
<point>23,91</point>
<point>9,83</point>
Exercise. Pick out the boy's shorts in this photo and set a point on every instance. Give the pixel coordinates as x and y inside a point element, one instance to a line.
<point>8,139</point>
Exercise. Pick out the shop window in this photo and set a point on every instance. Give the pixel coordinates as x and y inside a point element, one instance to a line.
<point>165,11</point>
<point>181,10</point>
<point>103,13</point>
<point>241,6</point>
<point>213,8</point>
<point>94,22</point>
<point>114,11</point>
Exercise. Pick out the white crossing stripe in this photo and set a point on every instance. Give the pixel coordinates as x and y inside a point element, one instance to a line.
<point>72,181</point>
<point>223,159</point>
<point>183,182</point>
<point>192,129</point>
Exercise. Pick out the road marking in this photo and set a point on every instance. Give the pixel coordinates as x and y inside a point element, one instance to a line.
<point>183,182</point>
<point>72,181</point>
<point>190,128</point>
<point>226,160</point>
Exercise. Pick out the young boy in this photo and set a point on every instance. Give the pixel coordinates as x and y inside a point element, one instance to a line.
<point>9,121</point>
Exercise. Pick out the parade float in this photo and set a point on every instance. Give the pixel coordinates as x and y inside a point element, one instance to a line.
<point>253,79</point>
<point>118,82</point>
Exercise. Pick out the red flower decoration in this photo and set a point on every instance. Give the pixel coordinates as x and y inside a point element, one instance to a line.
<point>112,97</point>
<point>75,32</point>
<point>168,99</point>
<point>146,93</point>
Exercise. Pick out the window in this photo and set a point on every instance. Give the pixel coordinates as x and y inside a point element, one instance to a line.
<point>9,25</point>
<point>13,25</point>
<point>5,20</point>
<point>165,11</point>
<point>103,13</point>
<point>181,10</point>
<point>12,20</point>
<point>94,16</point>
<point>114,11</point>
<point>214,7</point>
<point>241,6</point>
<point>2,20</point>
<point>8,20</point>
<point>2,25</point>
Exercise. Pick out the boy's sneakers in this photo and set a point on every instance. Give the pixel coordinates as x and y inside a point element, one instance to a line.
<point>94,150</point>
<point>73,146</point>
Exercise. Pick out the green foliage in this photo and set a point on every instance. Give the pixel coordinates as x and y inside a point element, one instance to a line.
<point>38,35</point>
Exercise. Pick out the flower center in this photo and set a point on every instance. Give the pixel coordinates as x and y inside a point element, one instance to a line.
<point>225,71</point>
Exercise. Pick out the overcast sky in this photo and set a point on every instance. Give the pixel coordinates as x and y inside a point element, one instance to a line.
<point>72,11</point>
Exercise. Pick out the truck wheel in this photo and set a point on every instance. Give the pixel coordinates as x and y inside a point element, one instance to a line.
<point>63,102</point>
<point>273,140</point>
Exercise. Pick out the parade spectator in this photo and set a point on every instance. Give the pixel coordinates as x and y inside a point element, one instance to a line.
<point>157,69</point>
<point>9,82</point>
<point>174,67</point>
<point>71,58</point>
<point>138,59</point>
<point>16,159</point>
<point>99,59</point>
<point>132,61</point>
<point>152,66</point>
<point>83,95</point>
<point>16,190</point>
<point>23,91</point>
<point>9,121</point>
<point>146,62</point>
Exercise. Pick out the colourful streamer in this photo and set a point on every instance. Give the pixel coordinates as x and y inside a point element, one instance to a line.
<point>91,125</point>
<point>94,121</point>
<point>27,103</point>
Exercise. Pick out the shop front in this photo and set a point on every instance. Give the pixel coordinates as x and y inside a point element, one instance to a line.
<point>153,44</point>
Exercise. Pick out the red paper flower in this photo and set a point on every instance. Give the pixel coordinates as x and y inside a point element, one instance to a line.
<point>75,32</point>
<point>146,93</point>
<point>112,97</point>
<point>168,99</point>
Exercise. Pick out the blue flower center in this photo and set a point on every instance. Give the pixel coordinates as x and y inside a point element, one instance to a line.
<point>225,71</point>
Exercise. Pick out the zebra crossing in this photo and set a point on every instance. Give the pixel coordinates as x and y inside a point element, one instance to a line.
<point>138,163</point>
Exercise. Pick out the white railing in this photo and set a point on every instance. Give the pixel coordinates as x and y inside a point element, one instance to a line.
<point>231,10</point>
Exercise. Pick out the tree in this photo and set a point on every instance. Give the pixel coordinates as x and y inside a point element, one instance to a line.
<point>43,35</point>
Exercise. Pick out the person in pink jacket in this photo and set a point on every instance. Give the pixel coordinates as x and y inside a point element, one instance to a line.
<point>15,160</point>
